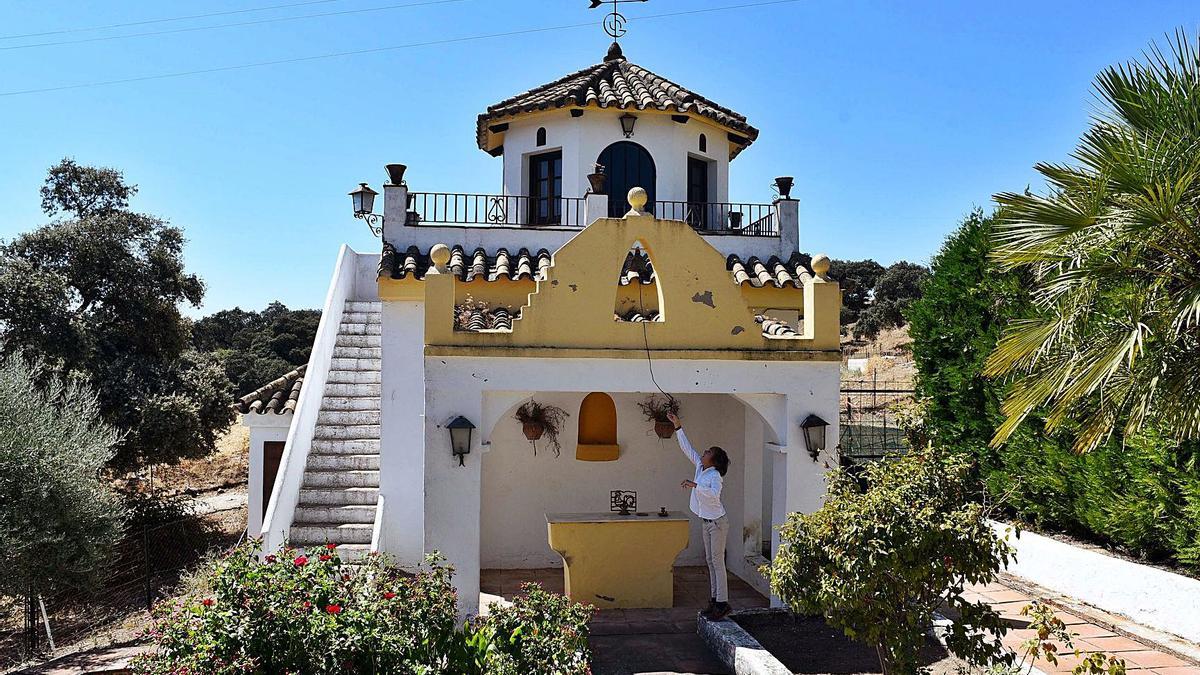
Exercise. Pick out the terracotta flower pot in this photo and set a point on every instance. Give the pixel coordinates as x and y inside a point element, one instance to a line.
<point>533,430</point>
<point>664,429</point>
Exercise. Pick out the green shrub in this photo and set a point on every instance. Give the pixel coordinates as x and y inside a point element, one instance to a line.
<point>308,612</point>
<point>543,633</point>
<point>877,559</point>
<point>58,517</point>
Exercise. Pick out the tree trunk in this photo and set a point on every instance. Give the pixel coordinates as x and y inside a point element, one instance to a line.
<point>885,664</point>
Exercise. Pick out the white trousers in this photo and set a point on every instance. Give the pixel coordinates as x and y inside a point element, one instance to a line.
<point>714,534</point>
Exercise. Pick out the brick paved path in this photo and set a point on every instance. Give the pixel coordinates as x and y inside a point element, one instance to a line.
<point>1141,658</point>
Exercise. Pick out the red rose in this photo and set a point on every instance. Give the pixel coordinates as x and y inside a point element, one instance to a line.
<point>307,604</point>
<point>271,558</point>
<point>345,577</point>
<point>207,602</point>
<point>323,557</point>
<point>300,561</point>
<point>389,595</point>
<point>330,546</point>
<point>333,609</point>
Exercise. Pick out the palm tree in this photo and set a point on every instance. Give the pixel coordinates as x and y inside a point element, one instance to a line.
<point>1114,251</point>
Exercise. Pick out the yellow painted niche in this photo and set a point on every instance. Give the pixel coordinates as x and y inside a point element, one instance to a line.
<point>597,429</point>
<point>618,562</point>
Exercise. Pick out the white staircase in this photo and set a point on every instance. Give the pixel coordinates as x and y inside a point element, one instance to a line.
<point>341,479</point>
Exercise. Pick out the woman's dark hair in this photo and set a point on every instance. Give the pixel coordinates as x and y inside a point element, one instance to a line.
<point>720,460</point>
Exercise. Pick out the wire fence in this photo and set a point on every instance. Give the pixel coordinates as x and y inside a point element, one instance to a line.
<point>145,566</point>
<point>870,415</point>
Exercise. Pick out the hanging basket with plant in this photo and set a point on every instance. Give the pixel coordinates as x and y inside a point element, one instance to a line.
<point>656,408</point>
<point>539,420</point>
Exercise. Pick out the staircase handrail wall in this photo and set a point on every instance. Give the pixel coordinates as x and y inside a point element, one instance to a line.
<point>286,493</point>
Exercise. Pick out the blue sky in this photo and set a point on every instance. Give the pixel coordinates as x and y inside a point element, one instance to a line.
<point>895,118</point>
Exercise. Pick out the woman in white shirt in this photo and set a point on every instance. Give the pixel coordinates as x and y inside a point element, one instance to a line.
<point>706,504</point>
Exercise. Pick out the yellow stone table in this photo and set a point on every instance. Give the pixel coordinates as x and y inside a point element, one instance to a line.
<point>610,560</point>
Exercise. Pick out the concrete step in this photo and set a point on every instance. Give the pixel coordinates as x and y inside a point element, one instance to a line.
<point>357,352</point>
<point>338,496</point>
<point>343,432</point>
<point>359,328</point>
<point>361,317</point>
<point>362,446</point>
<point>350,403</point>
<point>337,363</point>
<point>308,534</point>
<point>341,479</point>
<point>352,390</point>
<point>343,460</point>
<point>347,417</point>
<point>362,306</point>
<point>345,340</point>
<point>348,513</point>
<point>353,377</point>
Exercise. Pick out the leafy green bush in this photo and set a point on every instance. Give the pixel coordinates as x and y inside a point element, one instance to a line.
<point>541,632</point>
<point>308,612</point>
<point>58,517</point>
<point>881,555</point>
<point>1141,493</point>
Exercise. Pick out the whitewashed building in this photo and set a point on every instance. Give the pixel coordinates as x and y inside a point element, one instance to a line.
<point>558,290</point>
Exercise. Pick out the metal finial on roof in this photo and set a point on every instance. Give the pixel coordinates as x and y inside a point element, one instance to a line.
<point>614,22</point>
<point>614,53</point>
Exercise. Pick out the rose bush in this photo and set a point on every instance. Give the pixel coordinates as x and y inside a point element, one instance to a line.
<point>309,612</point>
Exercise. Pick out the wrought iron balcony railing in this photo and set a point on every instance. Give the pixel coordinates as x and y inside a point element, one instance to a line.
<point>710,218</point>
<point>748,220</point>
<point>473,209</point>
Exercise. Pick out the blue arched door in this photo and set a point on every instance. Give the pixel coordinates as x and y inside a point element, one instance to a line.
<point>627,165</point>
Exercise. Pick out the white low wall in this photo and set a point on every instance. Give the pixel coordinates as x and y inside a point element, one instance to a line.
<point>1148,595</point>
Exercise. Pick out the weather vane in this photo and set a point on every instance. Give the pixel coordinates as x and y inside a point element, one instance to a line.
<point>614,23</point>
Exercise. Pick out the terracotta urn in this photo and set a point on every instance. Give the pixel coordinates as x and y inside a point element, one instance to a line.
<point>664,429</point>
<point>533,430</point>
<point>597,182</point>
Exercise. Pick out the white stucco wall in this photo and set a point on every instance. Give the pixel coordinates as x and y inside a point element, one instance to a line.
<point>1148,595</point>
<point>582,139</point>
<point>783,393</point>
<point>519,488</point>
<point>263,428</point>
<point>401,453</point>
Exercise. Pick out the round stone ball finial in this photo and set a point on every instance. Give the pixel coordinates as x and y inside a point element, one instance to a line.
<point>820,265</point>
<point>637,198</point>
<point>439,255</point>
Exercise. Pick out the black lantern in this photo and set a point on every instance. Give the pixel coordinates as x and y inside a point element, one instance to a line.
<point>814,434</point>
<point>460,437</point>
<point>364,199</point>
<point>627,122</point>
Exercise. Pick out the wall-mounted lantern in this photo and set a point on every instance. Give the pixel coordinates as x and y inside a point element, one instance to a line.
<point>627,122</point>
<point>460,437</point>
<point>363,199</point>
<point>814,434</point>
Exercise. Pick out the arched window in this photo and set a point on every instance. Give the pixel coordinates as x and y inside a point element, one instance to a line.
<point>597,429</point>
<point>627,166</point>
<point>703,143</point>
<point>541,136</point>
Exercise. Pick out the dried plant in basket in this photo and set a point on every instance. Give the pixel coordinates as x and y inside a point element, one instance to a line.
<point>656,408</point>
<point>537,420</point>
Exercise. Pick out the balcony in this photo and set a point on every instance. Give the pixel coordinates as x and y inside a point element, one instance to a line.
<point>463,209</point>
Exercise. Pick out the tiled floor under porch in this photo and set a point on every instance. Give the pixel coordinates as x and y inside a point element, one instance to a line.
<point>626,641</point>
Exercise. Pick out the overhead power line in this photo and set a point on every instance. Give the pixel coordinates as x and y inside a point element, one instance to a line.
<point>145,22</point>
<point>255,22</point>
<point>375,50</point>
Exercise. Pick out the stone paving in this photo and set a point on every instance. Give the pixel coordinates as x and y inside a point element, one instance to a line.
<point>641,641</point>
<point>1141,658</point>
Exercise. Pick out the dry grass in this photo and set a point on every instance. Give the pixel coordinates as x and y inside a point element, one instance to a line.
<point>889,357</point>
<point>228,467</point>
